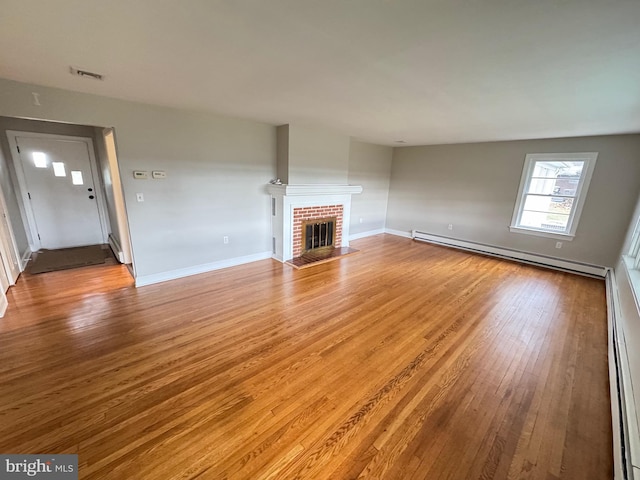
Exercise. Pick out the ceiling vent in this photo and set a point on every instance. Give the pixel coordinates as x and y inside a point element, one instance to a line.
<point>85,73</point>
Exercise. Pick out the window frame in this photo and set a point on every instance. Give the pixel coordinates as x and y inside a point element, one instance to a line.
<point>634,248</point>
<point>589,158</point>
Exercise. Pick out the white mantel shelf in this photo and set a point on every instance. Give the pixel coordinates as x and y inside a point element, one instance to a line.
<point>310,189</point>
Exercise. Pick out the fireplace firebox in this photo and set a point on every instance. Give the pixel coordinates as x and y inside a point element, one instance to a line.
<point>318,234</point>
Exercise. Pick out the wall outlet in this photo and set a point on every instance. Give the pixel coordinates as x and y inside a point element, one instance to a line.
<point>450,226</point>
<point>140,197</point>
<point>558,244</point>
<point>225,239</point>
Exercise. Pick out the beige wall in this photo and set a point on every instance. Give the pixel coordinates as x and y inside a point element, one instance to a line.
<point>317,156</point>
<point>369,166</point>
<point>474,187</point>
<point>217,168</point>
<point>282,133</point>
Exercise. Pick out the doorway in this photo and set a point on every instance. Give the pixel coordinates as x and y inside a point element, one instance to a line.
<point>60,188</point>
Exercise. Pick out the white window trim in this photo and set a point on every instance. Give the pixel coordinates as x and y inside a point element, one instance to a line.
<point>581,192</point>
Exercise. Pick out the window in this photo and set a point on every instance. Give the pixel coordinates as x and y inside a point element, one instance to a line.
<point>39,159</point>
<point>552,192</point>
<point>76,177</point>
<point>58,169</point>
<point>633,255</point>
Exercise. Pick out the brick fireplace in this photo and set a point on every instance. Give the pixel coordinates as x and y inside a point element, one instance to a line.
<point>293,205</point>
<point>305,215</point>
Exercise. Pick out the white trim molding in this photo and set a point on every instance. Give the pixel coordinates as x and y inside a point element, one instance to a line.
<point>4,303</point>
<point>525,257</point>
<point>312,190</point>
<point>398,233</point>
<point>370,233</point>
<point>197,269</point>
<point>25,259</point>
<point>567,237</point>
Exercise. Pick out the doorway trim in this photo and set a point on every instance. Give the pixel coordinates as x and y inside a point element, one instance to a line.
<point>25,205</point>
<point>12,264</point>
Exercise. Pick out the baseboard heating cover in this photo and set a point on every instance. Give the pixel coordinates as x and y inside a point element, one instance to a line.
<point>525,257</point>
<point>618,377</point>
<point>115,248</point>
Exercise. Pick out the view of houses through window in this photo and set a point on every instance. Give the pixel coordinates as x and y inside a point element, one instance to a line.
<point>552,190</point>
<point>551,195</point>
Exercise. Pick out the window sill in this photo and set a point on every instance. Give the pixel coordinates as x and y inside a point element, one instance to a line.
<point>539,233</point>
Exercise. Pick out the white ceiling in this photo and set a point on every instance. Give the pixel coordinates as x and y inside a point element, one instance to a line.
<point>422,71</point>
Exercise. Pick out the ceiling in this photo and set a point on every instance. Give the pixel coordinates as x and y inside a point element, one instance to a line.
<point>418,71</point>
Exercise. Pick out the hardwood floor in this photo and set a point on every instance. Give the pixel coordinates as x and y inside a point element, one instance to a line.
<point>406,361</point>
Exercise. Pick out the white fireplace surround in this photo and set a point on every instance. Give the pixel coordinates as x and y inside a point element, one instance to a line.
<point>284,198</point>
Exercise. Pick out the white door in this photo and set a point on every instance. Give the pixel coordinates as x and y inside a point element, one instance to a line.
<point>59,182</point>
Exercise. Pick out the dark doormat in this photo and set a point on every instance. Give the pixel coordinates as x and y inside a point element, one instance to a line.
<point>65,258</point>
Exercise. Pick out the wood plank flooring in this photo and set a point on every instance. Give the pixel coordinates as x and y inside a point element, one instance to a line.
<point>406,361</point>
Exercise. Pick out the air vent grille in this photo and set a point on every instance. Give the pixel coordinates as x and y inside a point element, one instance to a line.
<point>86,73</point>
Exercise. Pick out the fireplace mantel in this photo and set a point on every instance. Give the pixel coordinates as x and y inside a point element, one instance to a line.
<point>285,198</point>
<point>313,189</point>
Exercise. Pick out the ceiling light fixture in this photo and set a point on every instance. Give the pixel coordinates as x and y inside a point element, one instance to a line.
<point>85,73</point>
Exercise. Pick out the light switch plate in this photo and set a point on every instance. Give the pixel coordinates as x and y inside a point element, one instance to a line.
<point>140,174</point>
<point>159,174</point>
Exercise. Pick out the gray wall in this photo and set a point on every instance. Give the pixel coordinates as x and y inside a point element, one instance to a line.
<point>217,169</point>
<point>317,156</point>
<point>282,142</point>
<point>369,166</point>
<point>474,187</point>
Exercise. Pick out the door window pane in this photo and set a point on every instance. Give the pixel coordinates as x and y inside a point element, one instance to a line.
<point>58,169</point>
<point>76,177</point>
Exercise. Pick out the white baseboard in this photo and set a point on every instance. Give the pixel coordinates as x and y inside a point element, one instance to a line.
<point>26,256</point>
<point>4,303</point>
<point>115,248</point>
<point>370,233</point>
<point>207,267</point>
<point>398,233</point>
<point>526,257</point>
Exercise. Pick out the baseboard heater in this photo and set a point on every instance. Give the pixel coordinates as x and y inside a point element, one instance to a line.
<point>509,254</point>
<point>115,248</point>
<point>623,467</point>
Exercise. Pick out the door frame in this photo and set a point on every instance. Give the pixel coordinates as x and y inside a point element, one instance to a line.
<point>26,209</point>
<point>11,261</point>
